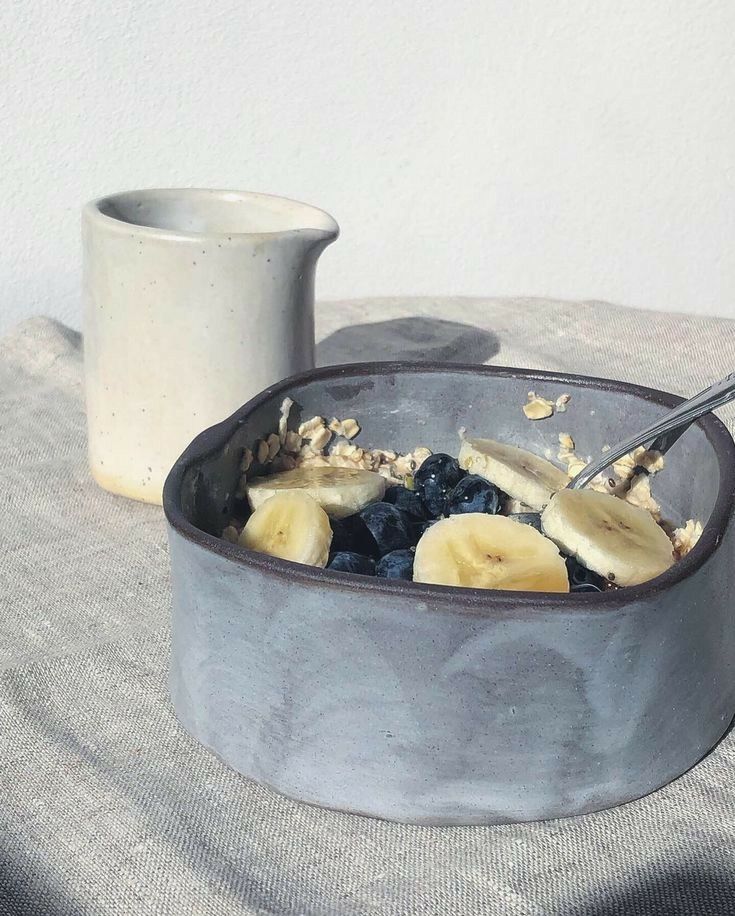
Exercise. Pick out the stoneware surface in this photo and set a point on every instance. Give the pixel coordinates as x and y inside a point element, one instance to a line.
<point>433,705</point>
<point>195,300</point>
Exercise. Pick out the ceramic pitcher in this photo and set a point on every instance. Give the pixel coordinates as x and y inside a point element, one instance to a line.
<point>195,300</point>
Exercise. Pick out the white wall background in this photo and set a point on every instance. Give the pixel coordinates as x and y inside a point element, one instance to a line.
<point>576,149</point>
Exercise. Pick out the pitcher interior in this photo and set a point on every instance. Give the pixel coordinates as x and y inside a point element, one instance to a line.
<point>214,212</point>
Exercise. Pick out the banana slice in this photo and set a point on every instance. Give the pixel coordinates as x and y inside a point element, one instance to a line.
<point>292,526</point>
<point>339,491</point>
<point>489,551</point>
<point>521,474</point>
<point>609,536</point>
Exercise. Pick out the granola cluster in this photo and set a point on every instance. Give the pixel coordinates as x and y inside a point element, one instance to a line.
<point>320,442</point>
<point>539,408</point>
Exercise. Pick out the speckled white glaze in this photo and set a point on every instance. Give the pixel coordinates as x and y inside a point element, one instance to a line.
<point>194,301</point>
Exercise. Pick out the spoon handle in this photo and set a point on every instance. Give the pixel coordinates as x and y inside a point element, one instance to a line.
<point>665,431</point>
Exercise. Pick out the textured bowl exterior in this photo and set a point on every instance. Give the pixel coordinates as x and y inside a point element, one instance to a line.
<point>431,705</point>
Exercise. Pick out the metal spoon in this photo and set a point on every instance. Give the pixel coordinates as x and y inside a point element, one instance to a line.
<point>664,432</point>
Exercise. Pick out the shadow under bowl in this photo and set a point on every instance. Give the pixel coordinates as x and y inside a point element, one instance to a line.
<point>433,705</point>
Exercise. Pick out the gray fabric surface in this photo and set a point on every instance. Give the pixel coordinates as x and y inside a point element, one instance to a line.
<point>109,808</point>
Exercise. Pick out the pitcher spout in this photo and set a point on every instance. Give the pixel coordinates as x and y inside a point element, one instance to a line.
<point>322,231</point>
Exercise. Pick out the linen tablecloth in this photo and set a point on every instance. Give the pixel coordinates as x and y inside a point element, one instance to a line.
<point>108,807</point>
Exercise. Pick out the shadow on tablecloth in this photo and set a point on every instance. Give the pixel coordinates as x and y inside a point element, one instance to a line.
<point>416,339</point>
<point>24,890</point>
<point>670,890</point>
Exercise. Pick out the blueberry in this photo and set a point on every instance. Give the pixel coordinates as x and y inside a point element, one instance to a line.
<point>528,518</point>
<point>349,561</point>
<point>351,534</point>
<point>474,494</point>
<point>398,564</point>
<point>423,527</point>
<point>580,577</point>
<point>407,500</point>
<point>433,481</point>
<point>391,528</point>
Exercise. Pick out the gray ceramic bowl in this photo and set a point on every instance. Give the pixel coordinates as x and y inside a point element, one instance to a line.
<point>434,705</point>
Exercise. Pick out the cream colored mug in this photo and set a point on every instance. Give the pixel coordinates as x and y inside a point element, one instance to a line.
<point>195,300</point>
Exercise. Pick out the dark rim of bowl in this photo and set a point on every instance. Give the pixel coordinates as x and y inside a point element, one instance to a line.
<point>216,437</point>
